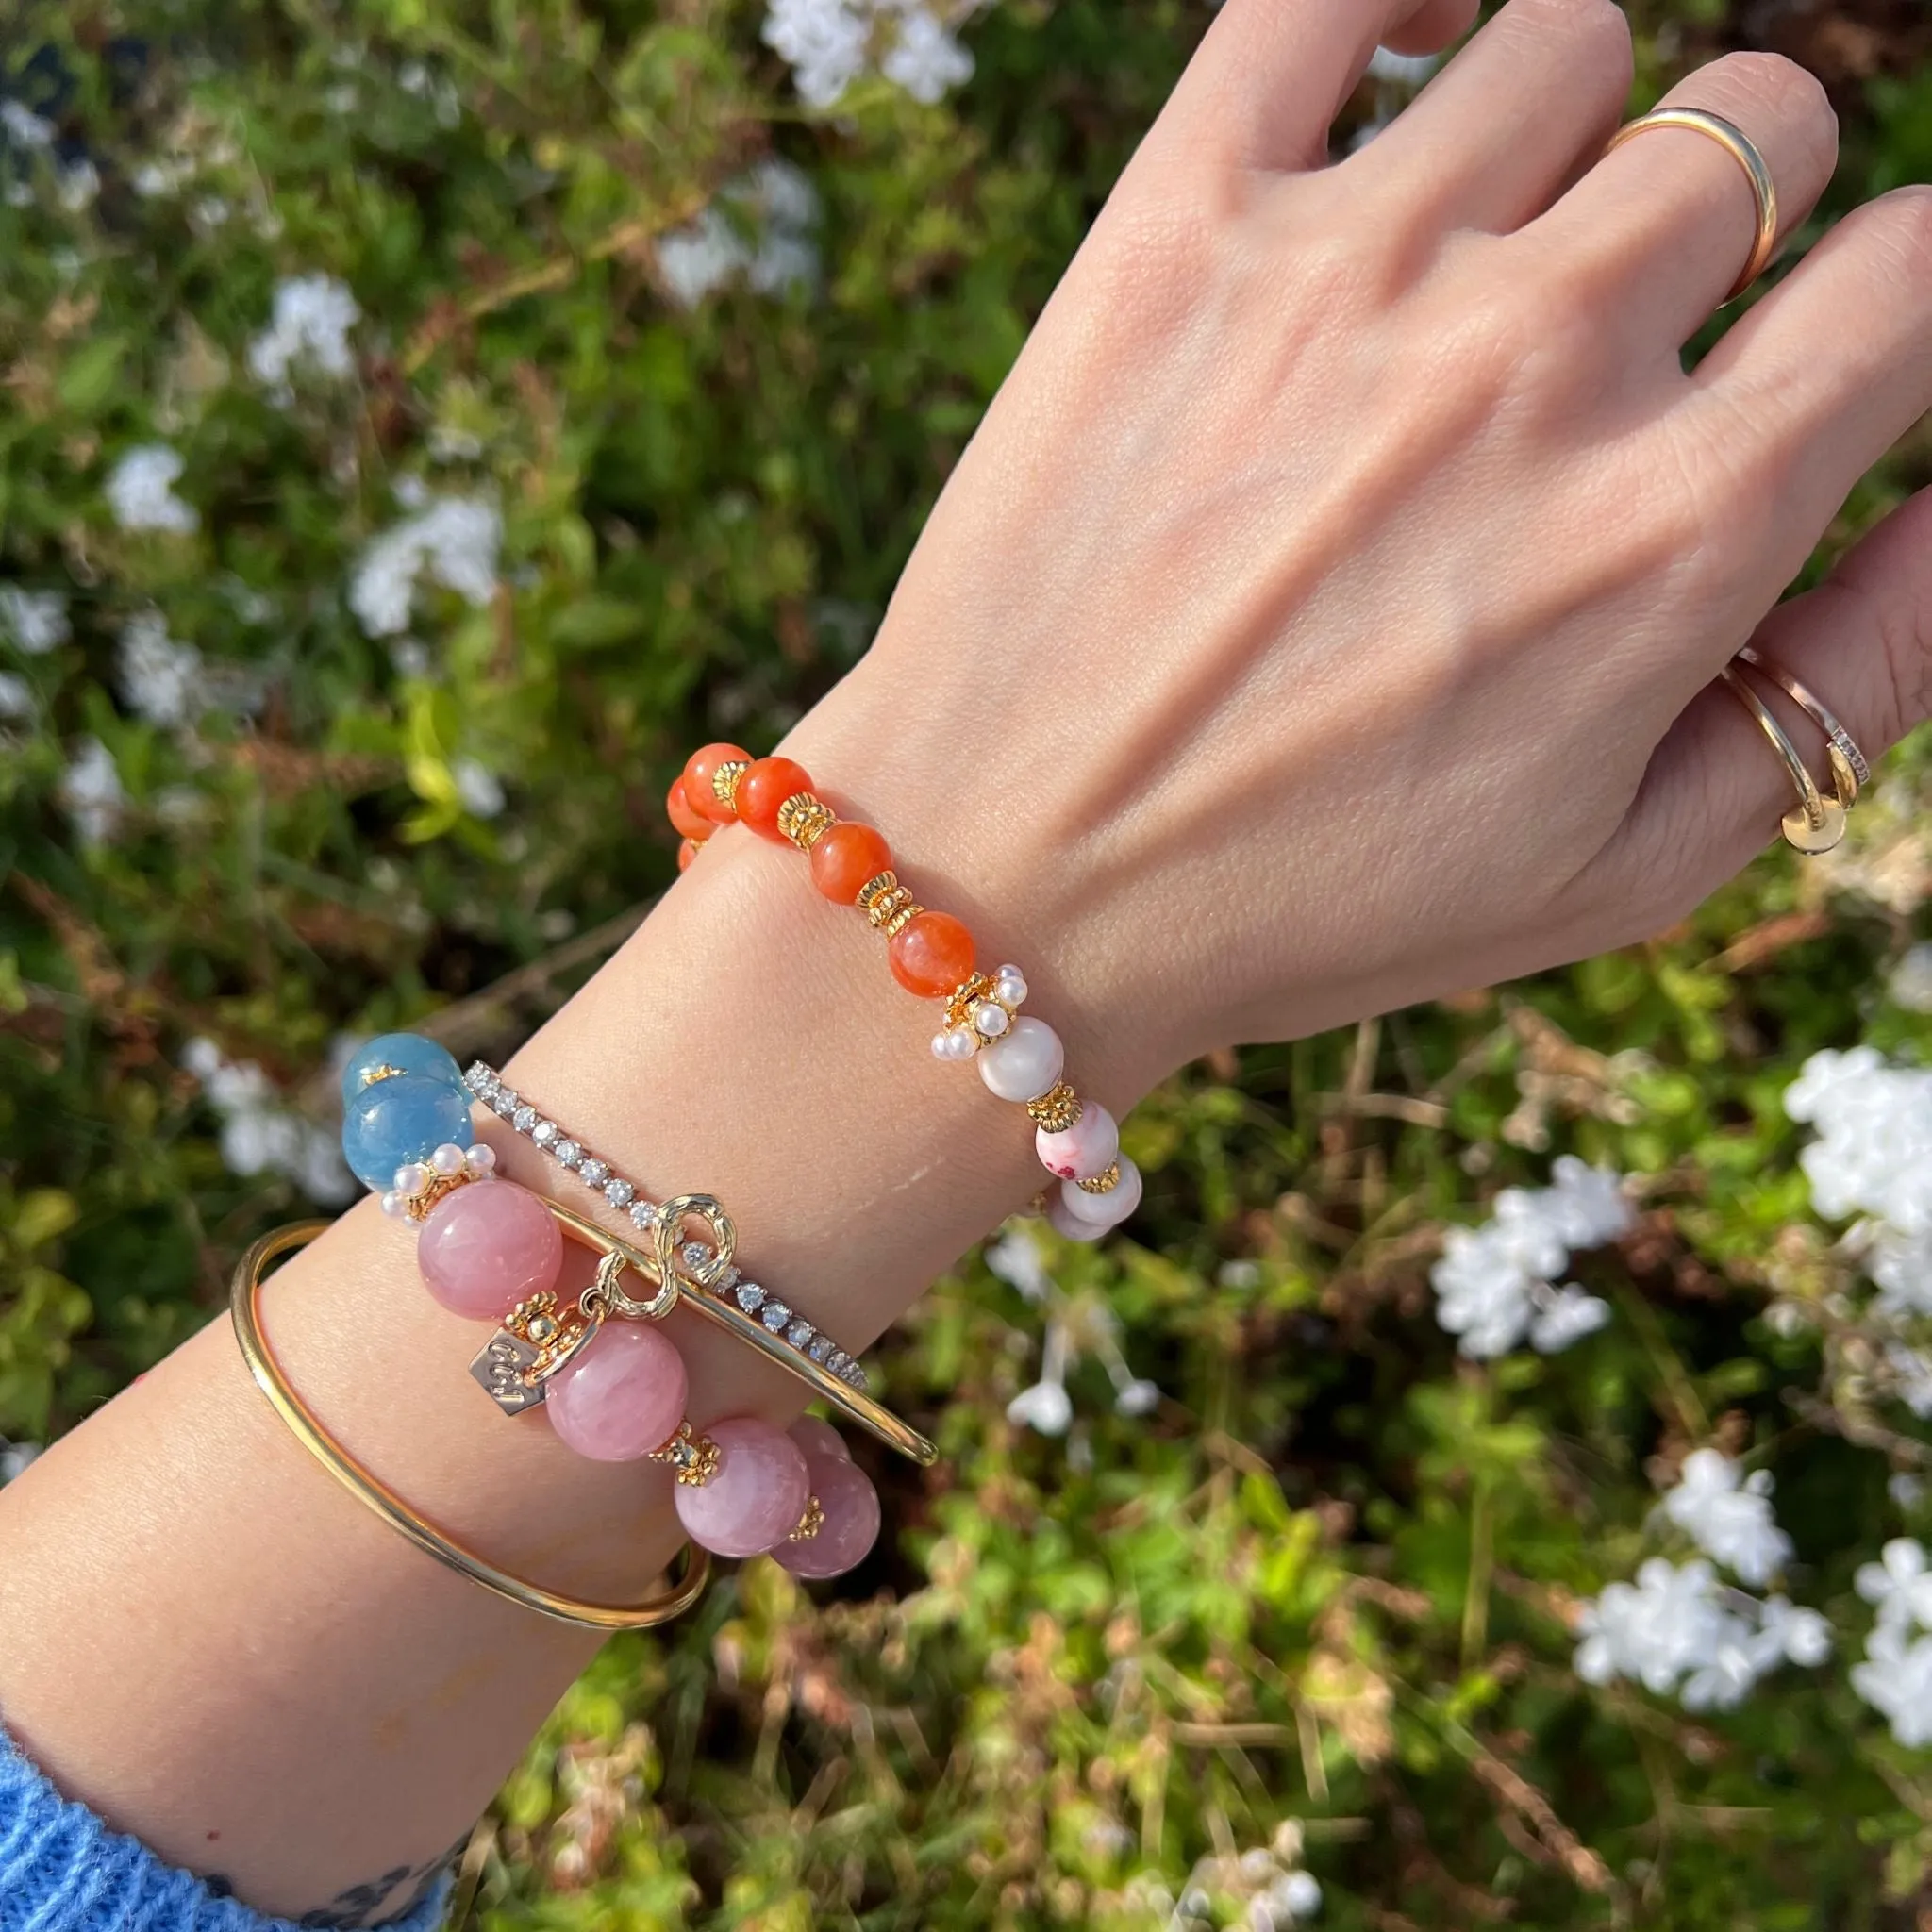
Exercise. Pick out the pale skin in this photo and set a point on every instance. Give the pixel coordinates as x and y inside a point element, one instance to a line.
<point>1323,619</point>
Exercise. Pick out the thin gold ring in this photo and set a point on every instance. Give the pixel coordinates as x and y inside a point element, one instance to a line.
<point>1849,765</point>
<point>374,1493</point>
<point>1815,823</point>
<point>1742,150</point>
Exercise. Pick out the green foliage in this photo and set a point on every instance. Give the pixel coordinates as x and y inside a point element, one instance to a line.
<point>1321,1600</point>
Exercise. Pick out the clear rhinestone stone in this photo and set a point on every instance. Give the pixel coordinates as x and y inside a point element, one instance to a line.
<point>750,1296</point>
<point>620,1193</point>
<point>503,1101</point>
<point>523,1119</point>
<point>568,1153</point>
<point>800,1333</point>
<point>643,1214</point>
<point>477,1077</point>
<point>854,1373</point>
<point>839,1361</point>
<point>694,1255</point>
<point>544,1132</point>
<point>820,1348</point>
<point>774,1315</point>
<point>594,1173</point>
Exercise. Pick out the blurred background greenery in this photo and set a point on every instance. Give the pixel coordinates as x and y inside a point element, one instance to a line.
<point>615,381</point>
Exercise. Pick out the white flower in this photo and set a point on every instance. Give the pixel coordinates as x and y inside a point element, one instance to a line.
<point>262,1136</point>
<point>1786,1633</point>
<point>823,42</point>
<point>141,492</point>
<point>1728,1515</point>
<point>1565,1316</point>
<point>1493,1283</point>
<point>161,678</point>
<point>455,540</point>
<point>35,621</point>
<point>310,324</point>
<point>1906,1489</point>
<point>24,128</point>
<point>91,793</point>
<point>1015,1257</point>
<point>1402,70</point>
<point>1137,1397</point>
<point>1296,1895</point>
<point>16,697</point>
<point>1910,985</point>
<point>479,787</point>
<point>1911,1377</point>
<point>1897,1680</point>
<point>759,229</point>
<point>1898,1584</point>
<point>925,59</point>
<point>15,1456</point>
<point>1045,1406</point>
<point>78,185</point>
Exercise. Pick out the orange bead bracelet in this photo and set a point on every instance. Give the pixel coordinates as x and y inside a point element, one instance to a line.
<point>932,954</point>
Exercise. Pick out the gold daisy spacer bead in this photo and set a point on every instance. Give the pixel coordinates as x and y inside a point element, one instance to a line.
<point>1104,1182</point>
<point>810,1523</point>
<point>806,819</point>
<point>724,779</point>
<point>1056,1109</point>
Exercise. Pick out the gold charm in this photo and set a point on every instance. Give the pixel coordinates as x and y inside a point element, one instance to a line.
<point>810,1523</point>
<point>671,1215</point>
<point>534,1342</point>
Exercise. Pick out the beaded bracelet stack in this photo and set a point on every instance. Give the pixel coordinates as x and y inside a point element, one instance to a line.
<point>610,1380</point>
<point>932,954</point>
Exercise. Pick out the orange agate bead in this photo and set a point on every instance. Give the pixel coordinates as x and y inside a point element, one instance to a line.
<point>683,819</point>
<point>931,955</point>
<point>699,770</point>
<point>847,858</point>
<point>686,853</point>
<point>763,788</point>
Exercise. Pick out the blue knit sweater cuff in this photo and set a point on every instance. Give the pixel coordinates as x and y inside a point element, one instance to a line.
<point>62,1870</point>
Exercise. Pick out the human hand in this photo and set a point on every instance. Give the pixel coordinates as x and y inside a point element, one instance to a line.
<point>1325,616</point>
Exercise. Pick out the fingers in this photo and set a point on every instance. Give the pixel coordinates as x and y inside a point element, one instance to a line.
<point>1716,791</point>
<point>1823,375</point>
<point>1270,75</point>
<point>1500,133</point>
<point>1662,228</point>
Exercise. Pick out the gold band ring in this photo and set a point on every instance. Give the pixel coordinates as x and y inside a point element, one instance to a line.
<point>1815,823</point>
<point>1849,765</point>
<point>1742,150</point>
<point>374,1493</point>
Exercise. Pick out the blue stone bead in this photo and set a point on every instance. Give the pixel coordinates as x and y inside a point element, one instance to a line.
<point>409,1053</point>
<point>404,1118</point>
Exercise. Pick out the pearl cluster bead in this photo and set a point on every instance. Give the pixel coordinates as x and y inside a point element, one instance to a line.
<point>417,1184</point>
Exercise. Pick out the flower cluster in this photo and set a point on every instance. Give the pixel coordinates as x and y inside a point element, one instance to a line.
<point>261,1134</point>
<point>1494,1284</point>
<point>453,539</point>
<point>33,621</point>
<point>313,315</point>
<point>1266,1882</point>
<point>1678,1628</point>
<point>1872,1157</point>
<point>1895,1677</point>
<point>829,43</point>
<point>759,230</point>
<point>141,492</point>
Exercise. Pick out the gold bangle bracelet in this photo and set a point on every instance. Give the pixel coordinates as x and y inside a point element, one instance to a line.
<point>374,1494</point>
<point>855,1403</point>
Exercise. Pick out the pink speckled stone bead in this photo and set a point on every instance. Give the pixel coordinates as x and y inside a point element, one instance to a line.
<point>818,1438</point>
<point>623,1396</point>
<point>756,1496</point>
<point>852,1519</point>
<point>1080,1151</point>
<point>485,1247</point>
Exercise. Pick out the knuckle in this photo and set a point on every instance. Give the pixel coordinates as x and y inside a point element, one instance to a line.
<point>1899,227</point>
<point>1900,630</point>
<point>1769,88</point>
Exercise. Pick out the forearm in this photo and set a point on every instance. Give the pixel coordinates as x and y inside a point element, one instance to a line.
<point>301,1701</point>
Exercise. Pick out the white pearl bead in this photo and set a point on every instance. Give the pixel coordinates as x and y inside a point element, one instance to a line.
<point>1024,1063</point>
<point>481,1160</point>
<point>1009,987</point>
<point>448,1158</point>
<point>1110,1208</point>
<point>411,1178</point>
<point>943,1046</point>
<point>954,1043</point>
<point>990,1021</point>
<point>394,1206</point>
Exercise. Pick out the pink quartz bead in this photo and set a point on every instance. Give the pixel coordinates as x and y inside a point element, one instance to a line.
<point>486,1246</point>
<point>1080,1151</point>
<point>852,1521</point>
<point>756,1496</point>
<point>818,1438</point>
<point>623,1396</point>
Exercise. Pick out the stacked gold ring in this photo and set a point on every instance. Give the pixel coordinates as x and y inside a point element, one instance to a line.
<point>1817,822</point>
